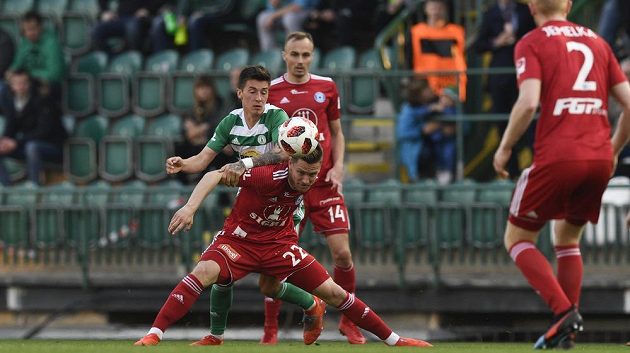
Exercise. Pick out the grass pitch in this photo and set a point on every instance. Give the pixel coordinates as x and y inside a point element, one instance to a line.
<point>108,346</point>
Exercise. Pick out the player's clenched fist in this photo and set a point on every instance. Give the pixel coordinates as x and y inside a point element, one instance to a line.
<point>174,165</point>
<point>182,220</point>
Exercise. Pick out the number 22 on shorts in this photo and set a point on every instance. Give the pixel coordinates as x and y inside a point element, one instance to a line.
<point>295,258</point>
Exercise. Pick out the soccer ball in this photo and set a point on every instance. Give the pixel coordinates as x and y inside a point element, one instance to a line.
<point>298,136</point>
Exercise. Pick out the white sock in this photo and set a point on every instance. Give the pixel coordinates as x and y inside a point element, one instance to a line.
<point>157,331</point>
<point>392,339</point>
<point>217,336</point>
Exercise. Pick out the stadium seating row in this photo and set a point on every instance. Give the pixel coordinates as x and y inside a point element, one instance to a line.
<point>164,80</point>
<point>438,230</point>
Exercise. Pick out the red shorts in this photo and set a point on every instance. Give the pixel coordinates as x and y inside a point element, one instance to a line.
<point>570,190</point>
<point>327,211</point>
<point>238,258</point>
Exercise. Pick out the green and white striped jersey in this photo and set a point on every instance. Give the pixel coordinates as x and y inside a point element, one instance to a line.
<point>246,142</point>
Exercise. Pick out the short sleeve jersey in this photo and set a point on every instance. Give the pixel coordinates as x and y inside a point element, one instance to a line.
<point>246,142</point>
<point>576,69</point>
<point>317,100</point>
<point>263,211</point>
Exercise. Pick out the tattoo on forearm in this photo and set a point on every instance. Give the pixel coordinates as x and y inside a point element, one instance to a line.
<point>268,158</point>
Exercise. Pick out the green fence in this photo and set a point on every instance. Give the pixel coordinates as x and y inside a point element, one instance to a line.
<point>397,230</point>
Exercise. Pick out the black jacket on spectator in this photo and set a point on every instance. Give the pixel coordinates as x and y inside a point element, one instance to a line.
<point>39,119</point>
<point>7,48</point>
<point>491,26</point>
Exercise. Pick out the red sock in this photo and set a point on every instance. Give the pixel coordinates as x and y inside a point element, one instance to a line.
<point>272,309</point>
<point>345,278</point>
<point>539,274</point>
<point>570,269</point>
<point>179,302</point>
<point>364,317</point>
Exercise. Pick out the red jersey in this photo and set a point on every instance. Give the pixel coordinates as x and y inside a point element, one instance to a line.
<point>577,69</point>
<point>316,99</point>
<point>263,211</point>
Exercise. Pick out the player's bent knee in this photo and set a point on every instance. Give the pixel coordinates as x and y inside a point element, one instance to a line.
<point>331,293</point>
<point>206,272</point>
<point>342,258</point>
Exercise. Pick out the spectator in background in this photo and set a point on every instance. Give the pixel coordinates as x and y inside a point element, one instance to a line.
<point>439,46</point>
<point>129,21</point>
<point>39,53</point>
<point>199,126</point>
<point>343,23</point>
<point>232,100</point>
<point>501,27</point>
<point>420,105</point>
<point>204,19</point>
<point>440,137</point>
<point>7,48</point>
<point>290,15</point>
<point>614,17</point>
<point>33,131</point>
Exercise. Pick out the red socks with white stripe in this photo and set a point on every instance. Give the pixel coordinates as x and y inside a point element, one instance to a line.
<point>345,278</point>
<point>539,274</point>
<point>570,269</point>
<point>178,303</point>
<point>359,313</point>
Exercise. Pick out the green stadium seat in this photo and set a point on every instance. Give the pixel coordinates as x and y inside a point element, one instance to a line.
<point>353,191</point>
<point>9,23</point>
<point>149,86</point>
<point>452,214</point>
<point>337,61</point>
<point>51,8</point>
<point>88,8</point>
<point>490,214</point>
<point>163,62</point>
<point>78,95</point>
<point>340,59</point>
<point>116,156</point>
<point>153,148</point>
<point>126,63</point>
<point>197,61</point>
<point>113,94</point>
<point>16,7</point>
<point>364,88</point>
<point>75,33</point>
<point>271,59</point>
<point>93,63</point>
<point>180,96</point>
<point>80,150</point>
<point>50,225</point>
<point>232,59</point>
<point>149,91</point>
<point>167,126</point>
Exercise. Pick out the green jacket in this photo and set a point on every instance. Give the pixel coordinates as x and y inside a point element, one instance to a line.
<point>43,60</point>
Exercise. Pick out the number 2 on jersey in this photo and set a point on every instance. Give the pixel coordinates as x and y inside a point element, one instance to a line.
<point>580,82</point>
<point>294,258</point>
<point>337,213</point>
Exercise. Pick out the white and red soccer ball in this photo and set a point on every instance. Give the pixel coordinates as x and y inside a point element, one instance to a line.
<point>298,136</point>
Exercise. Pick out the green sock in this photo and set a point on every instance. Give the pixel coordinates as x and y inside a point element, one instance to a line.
<point>220,303</point>
<point>292,294</point>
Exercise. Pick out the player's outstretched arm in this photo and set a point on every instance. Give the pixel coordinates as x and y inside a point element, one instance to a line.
<point>520,118</point>
<point>195,164</point>
<point>183,218</point>
<point>232,172</point>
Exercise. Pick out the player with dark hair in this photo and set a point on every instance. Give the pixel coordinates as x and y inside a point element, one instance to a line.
<point>259,236</point>
<point>570,71</point>
<point>314,97</point>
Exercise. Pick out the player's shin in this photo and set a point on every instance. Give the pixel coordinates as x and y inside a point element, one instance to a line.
<point>220,304</point>
<point>364,317</point>
<point>292,294</point>
<point>179,302</point>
